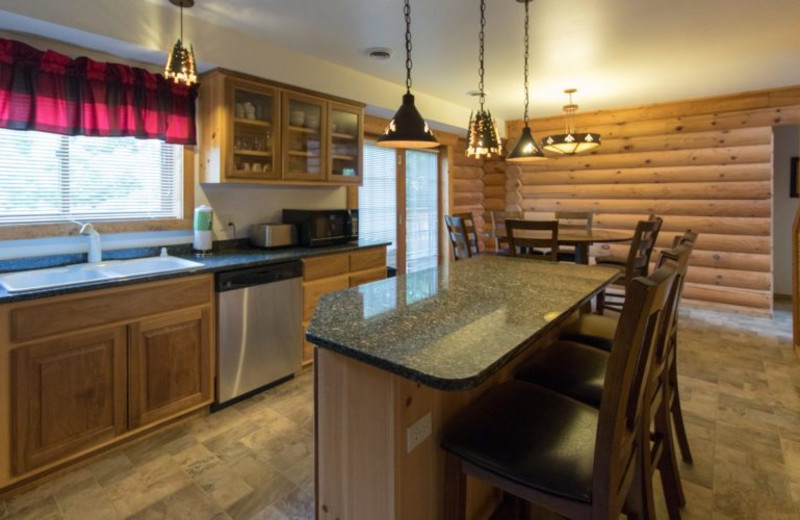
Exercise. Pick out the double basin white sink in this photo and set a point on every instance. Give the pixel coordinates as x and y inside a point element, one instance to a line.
<point>84,273</point>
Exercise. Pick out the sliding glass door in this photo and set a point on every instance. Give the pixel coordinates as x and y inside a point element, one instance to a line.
<point>399,202</point>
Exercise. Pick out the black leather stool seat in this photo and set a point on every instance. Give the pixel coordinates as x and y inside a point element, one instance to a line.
<point>569,368</point>
<point>593,329</point>
<point>530,435</point>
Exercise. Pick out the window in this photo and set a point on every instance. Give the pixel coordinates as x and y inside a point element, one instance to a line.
<point>47,178</point>
<point>416,212</point>
<point>377,199</point>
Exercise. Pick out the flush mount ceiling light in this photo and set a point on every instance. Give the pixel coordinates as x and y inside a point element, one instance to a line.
<point>526,149</point>
<point>482,137</point>
<point>407,129</point>
<point>571,142</point>
<point>181,63</point>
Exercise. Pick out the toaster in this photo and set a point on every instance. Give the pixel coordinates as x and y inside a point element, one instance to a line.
<point>270,235</point>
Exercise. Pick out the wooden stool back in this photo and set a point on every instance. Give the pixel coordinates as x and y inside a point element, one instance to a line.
<point>517,240</point>
<point>456,231</point>
<point>644,239</point>
<point>623,424</point>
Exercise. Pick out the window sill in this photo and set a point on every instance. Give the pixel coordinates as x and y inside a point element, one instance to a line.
<point>26,231</point>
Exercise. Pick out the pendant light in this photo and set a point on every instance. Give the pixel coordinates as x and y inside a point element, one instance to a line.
<point>526,149</point>
<point>407,129</point>
<point>483,140</point>
<point>181,63</point>
<point>571,142</point>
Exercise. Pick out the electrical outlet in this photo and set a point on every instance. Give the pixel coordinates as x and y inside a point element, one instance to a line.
<point>418,432</point>
<point>224,220</point>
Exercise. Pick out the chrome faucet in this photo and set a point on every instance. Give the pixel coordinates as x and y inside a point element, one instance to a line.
<point>95,251</point>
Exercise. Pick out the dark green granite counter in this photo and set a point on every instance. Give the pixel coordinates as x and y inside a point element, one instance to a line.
<point>222,260</point>
<point>452,327</point>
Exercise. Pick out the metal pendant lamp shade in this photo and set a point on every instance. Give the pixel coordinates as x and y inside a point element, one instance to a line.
<point>407,129</point>
<point>483,139</point>
<point>181,66</point>
<point>526,149</point>
<point>571,142</point>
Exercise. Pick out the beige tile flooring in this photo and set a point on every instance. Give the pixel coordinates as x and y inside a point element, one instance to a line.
<point>740,384</point>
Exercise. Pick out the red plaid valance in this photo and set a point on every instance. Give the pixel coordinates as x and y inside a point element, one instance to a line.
<point>50,92</point>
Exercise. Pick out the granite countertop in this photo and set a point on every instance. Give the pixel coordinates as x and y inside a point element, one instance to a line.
<point>227,259</point>
<point>452,327</point>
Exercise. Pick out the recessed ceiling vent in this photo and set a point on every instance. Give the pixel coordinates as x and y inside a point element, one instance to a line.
<point>379,53</point>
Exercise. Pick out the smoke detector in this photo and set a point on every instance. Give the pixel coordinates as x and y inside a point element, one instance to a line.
<point>379,53</point>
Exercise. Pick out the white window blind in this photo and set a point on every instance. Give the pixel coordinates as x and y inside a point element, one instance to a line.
<point>53,178</point>
<point>377,199</point>
<point>422,209</point>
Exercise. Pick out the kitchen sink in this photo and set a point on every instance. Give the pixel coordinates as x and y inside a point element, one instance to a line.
<point>151,265</point>
<point>84,273</point>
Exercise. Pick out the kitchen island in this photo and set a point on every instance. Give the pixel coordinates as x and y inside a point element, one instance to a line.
<point>396,359</point>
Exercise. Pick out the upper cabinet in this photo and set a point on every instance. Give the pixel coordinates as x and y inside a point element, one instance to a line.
<point>304,142</point>
<point>346,125</point>
<point>255,131</point>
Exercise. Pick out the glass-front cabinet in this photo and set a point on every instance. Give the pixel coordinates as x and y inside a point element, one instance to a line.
<point>304,143</point>
<point>254,129</point>
<point>346,142</point>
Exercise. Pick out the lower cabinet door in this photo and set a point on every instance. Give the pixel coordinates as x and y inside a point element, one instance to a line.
<point>169,366</point>
<point>68,395</point>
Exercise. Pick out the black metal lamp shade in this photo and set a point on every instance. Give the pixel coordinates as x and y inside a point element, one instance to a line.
<point>407,129</point>
<point>526,149</point>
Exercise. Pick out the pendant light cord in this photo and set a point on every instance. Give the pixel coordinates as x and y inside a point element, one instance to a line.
<point>407,12</point>
<point>181,23</point>
<point>527,98</point>
<point>482,95</point>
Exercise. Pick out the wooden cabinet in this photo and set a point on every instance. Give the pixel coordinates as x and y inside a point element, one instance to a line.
<point>329,273</point>
<point>169,360</point>
<point>256,131</point>
<point>88,370</point>
<point>345,144</point>
<point>254,128</point>
<point>304,141</point>
<point>68,395</point>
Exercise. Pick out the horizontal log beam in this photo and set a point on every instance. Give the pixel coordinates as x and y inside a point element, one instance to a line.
<point>718,208</point>
<point>667,174</point>
<point>672,191</point>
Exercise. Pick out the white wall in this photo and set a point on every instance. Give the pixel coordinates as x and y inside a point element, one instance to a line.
<point>787,144</point>
<point>245,204</point>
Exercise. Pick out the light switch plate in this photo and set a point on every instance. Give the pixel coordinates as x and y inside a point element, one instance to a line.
<point>418,432</point>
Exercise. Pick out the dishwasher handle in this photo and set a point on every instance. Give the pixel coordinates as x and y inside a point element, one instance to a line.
<point>243,278</point>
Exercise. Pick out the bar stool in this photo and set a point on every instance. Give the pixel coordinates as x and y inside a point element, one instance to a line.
<point>579,371</point>
<point>637,264</point>
<point>598,331</point>
<point>551,450</point>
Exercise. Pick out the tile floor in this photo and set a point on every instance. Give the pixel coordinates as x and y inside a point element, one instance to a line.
<point>740,384</point>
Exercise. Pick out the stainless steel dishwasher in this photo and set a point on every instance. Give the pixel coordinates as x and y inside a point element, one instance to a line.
<point>260,328</point>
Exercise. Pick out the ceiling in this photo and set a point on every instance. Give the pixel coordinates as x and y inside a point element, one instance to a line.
<point>616,52</point>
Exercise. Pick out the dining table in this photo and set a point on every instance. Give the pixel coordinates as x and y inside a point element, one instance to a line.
<point>580,239</point>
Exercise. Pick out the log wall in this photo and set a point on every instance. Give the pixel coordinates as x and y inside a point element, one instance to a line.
<point>703,164</point>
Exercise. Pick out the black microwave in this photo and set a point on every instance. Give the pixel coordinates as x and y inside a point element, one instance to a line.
<point>323,227</point>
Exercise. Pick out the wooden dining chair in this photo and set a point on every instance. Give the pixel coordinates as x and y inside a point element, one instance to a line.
<point>459,239</point>
<point>571,221</point>
<point>497,227</point>
<point>470,228</point>
<point>578,370</point>
<point>546,238</point>
<point>598,331</point>
<point>573,459</point>
<point>637,264</point>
